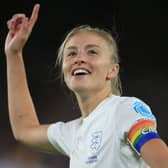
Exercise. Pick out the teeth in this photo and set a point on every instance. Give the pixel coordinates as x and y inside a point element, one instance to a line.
<point>80,71</point>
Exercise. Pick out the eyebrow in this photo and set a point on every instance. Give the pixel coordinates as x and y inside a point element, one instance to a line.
<point>87,46</point>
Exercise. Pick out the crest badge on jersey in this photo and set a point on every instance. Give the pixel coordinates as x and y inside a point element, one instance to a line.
<point>143,110</point>
<point>95,143</point>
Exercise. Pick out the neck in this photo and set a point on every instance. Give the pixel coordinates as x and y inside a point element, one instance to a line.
<point>88,102</point>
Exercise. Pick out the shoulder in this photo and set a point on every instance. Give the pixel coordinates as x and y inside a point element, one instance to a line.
<point>130,111</point>
<point>66,125</point>
<point>134,107</point>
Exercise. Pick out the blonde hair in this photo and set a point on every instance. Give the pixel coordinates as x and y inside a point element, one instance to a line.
<point>107,35</point>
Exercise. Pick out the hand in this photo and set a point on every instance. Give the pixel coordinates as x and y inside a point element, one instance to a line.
<point>20,28</point>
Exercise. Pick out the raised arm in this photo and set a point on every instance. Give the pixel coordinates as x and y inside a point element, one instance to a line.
<point>24,122</point>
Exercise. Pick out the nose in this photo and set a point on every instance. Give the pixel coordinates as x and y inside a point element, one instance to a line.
<point>79,62</point>
<point>80,59</point>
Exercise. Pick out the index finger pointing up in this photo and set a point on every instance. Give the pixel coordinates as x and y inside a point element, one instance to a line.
<point>34,14</point>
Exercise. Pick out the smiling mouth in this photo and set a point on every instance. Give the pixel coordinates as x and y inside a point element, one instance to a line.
<point>79,72</point>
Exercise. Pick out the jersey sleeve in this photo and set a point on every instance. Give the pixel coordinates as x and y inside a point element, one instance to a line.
<point>60,135</point>
<point>138,124</point>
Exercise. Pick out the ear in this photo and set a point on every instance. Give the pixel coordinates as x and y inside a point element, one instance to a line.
<point>113,71</point>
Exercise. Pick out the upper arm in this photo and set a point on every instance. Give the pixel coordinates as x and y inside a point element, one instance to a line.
<point>155,153</point>
<point>37,138</point>
<point>142,136</point>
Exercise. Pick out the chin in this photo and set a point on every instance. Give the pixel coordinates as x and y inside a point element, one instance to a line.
<point>79,89</point>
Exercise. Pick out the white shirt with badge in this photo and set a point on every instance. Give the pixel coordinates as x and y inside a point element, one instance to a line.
<point>101,139</point>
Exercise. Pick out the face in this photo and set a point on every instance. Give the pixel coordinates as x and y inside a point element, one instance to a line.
<point>87,63</point>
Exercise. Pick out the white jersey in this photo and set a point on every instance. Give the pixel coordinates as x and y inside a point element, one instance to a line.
<point>101,139</point>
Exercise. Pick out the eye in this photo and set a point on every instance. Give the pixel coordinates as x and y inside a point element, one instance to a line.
<point>92,52</point>
<point>72,53</point>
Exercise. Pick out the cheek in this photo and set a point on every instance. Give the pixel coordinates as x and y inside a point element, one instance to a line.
<point>65,68</point>
<point>66,65</point>
<point>66,72</point>
<point>103,68</point>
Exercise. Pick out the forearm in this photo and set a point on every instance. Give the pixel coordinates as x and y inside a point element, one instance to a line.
<point>21,109</point>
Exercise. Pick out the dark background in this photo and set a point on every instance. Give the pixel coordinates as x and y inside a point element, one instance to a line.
<point>141,31</point>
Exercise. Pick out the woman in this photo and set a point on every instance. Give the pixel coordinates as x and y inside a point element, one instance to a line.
<point>113,131</point>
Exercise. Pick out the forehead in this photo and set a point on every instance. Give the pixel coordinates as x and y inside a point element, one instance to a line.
<point>85,38</point>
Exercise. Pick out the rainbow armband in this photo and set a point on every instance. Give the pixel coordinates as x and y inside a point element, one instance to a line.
<point>140,133</point>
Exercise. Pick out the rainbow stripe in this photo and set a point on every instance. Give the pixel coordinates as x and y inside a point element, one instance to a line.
<point>142,132</point>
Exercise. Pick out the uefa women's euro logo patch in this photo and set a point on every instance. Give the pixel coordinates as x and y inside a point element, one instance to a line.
<point>143,110</point>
